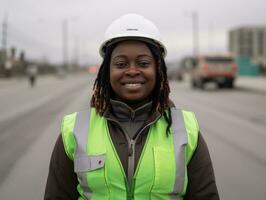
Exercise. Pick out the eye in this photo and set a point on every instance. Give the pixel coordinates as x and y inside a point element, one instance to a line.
<point>144,64</point>
<point>120,65</point>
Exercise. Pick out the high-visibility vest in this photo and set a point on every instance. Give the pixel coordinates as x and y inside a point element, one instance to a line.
<point>161,173</point>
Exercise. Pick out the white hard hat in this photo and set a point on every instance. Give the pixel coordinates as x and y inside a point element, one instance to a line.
<point>132,26</point>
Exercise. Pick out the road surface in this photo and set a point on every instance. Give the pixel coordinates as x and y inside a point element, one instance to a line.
<point>232,122</point>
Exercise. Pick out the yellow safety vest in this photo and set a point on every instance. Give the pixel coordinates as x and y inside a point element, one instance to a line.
<point>161,173</point>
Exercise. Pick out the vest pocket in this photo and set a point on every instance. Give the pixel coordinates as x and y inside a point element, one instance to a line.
<point>164,170</point>
<point>91,175</point>
<point>86,163</point>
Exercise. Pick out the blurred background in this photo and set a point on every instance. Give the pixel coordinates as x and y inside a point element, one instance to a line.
<point>216,58</point>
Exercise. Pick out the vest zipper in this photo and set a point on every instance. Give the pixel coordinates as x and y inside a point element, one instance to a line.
<point>130,181</point>
<point>131,160</point>
<point>130,172</point>
<point>130,189</point>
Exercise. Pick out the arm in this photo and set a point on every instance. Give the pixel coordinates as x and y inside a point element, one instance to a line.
<point>201,180</point>
<point>62,180</point>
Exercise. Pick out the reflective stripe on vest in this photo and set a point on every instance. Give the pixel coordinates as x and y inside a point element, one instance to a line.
<point>84,163</point>
<point>81,161</point>
<point>180,139</point>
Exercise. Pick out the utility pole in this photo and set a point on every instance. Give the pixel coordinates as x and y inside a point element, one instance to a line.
<point>4,38</point>
<point>195,31</point>
<point>3,50</point>
<point>65,44</point>
<point>4,34</point>
<point>210,37</point>
<point>76,51</point>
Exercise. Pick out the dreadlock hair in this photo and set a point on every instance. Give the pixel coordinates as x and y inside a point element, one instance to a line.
<point>102,87</point>
<point>160,96</point>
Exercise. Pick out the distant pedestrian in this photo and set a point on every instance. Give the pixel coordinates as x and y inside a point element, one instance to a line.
<point>32,72</point>
<point>131,143</point>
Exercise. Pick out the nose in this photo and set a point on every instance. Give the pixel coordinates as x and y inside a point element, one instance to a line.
<point>132,70</point>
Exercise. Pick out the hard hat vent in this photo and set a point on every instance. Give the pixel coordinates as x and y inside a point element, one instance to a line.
<point>132,29</point>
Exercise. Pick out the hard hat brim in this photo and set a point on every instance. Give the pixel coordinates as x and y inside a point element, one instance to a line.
<point>110,42</point>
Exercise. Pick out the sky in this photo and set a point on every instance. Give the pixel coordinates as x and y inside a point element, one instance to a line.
<point>35,26</point>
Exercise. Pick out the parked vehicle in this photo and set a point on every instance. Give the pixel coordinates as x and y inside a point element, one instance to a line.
<point>175,73</point>
<point>220,69</point>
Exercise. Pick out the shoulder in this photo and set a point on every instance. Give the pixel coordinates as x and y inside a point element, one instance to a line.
<point>190,126</point>
<point>190,120</point>
<point>67,128</point>
<point>70,121</point>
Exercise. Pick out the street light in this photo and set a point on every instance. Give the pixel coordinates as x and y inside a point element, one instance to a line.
<point>195,29</point>
<point>195,32</point>
<point>65,44</point>
<point>65,30</point>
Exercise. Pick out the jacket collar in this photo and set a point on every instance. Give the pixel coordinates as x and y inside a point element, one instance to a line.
<point>152,116</point>
<point>122,111</point>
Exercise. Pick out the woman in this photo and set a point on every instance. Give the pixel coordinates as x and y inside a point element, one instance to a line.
<point>132,143</point>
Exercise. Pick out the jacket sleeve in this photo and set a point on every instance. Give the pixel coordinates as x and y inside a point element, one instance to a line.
<point>201,180</point>
<point>62,180</point>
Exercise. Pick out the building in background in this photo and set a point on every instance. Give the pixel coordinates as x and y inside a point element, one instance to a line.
<point>249,46</point>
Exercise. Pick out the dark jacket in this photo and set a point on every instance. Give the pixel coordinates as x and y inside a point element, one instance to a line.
<point>62,180</point>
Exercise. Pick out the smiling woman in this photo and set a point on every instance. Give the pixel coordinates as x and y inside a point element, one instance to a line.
<point>132,143</point>
<point>132,72</point>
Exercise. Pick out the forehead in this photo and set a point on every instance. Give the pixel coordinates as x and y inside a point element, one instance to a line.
<point>131,47</point>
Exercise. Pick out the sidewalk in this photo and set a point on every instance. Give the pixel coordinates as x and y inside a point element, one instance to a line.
<point>23,81</point>
<point>251,83</point>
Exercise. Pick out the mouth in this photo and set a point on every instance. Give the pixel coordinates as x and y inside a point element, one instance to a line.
<point>133,85</point>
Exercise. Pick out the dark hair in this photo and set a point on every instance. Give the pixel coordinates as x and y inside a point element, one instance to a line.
<point>160,96</point>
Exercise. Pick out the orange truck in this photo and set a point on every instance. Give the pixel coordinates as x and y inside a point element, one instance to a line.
<point>220,69</point>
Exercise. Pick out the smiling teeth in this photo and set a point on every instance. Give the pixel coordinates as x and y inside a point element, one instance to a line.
<point>132,84</point>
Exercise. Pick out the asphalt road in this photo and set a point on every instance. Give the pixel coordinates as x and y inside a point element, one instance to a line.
<point>29,126</point>
<point>232,122</point>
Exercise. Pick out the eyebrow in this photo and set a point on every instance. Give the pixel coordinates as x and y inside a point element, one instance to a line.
<point>125,56</point>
